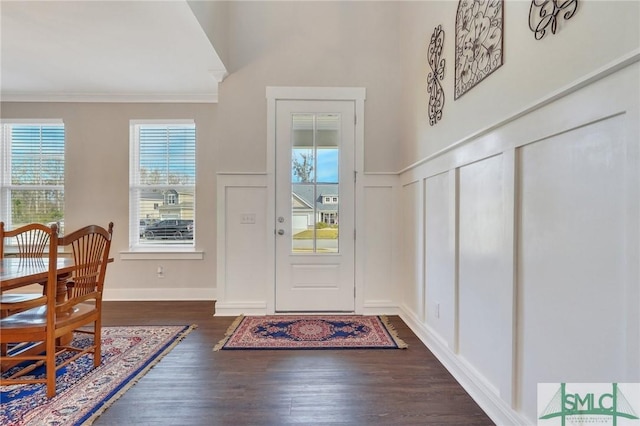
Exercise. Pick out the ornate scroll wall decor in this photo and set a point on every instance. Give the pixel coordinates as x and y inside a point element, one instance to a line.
<point>543,14</point>
<point>434,88</point>
<point>479,28</point>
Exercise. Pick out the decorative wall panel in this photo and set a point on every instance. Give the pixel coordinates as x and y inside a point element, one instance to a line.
<point>479,30</point>
<point>571,259</point>
<point>437,64</point>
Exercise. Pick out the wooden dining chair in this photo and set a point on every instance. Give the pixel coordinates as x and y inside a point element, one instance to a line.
<point>35,326</point>
<point>81,312</point>
<point>90,248</point>
<point>30,242</point>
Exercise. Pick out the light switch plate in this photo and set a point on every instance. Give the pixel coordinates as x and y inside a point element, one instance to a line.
<point>248,218</point>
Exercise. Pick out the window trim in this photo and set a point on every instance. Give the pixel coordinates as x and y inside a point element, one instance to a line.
<point>159,254</point>
<point>157,250</point>
<point>5,161</point>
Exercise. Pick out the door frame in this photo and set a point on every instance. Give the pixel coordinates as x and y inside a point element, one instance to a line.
<point>274,94</point>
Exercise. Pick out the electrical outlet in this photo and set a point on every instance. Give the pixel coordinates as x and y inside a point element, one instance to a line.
<point>160,271</point>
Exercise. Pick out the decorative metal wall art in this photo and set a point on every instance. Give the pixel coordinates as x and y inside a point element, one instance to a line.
<point>434,88</point>
<point>479,29</point>
<point>543,14</point>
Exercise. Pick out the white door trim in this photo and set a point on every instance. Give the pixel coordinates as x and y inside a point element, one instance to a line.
<point>274,94</point>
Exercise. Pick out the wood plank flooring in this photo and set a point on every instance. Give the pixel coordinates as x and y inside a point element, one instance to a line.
<point>193,385</point>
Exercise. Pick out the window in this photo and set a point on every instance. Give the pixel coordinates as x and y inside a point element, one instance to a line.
<point>172,197</point>
<point>32,173</point>
<point>162,184</point>
<point>329,218</point>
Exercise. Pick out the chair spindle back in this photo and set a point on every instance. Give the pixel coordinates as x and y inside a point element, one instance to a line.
<point>31,240</point>
<point>90,248</point>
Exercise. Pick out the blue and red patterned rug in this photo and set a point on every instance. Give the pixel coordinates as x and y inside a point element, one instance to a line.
<point>84,393</point>
<point>311,332</point>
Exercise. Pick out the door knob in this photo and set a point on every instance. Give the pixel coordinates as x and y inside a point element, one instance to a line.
<point>280,231</point>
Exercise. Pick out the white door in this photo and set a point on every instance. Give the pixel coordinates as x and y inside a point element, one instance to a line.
<point>315,206</point>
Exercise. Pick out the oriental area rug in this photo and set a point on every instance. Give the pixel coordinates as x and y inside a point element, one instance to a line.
<point>311,332</point>
<point>83,393</point>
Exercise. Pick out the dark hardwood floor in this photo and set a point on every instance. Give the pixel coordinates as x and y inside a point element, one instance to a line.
<point>193,385</point>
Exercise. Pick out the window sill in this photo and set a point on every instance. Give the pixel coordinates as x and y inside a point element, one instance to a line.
<point>147,254</point>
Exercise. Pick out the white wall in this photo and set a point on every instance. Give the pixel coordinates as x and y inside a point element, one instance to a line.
<point>526,230</point>
<point>97,191</point>
<point>600,32</point>
<point>265,44</point>
<point>545,222</point>
<point>213,17</point>
<point>331,44</point>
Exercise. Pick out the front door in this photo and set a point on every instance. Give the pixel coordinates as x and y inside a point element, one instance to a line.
<point>314,206</point>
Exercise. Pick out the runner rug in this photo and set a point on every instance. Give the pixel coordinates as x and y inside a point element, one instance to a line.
<point>311,332</point>
<point>84,393</point>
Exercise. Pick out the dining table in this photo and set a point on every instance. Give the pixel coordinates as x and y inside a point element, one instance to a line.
<point>16,272</point>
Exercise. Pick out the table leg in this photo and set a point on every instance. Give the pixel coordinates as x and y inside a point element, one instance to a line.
<point>61,297</point>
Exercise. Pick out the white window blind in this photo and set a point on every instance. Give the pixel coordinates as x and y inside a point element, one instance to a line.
<point>32,173</point>
<point>162,184</point>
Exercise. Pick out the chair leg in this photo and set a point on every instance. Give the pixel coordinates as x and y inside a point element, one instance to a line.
<point>50,367</point>
<point>3,346</point>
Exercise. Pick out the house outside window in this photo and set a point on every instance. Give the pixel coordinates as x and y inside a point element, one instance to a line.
<point>329,218</point>
<point>162,183</point>
<point>171,197</point>
<point>32,173</point>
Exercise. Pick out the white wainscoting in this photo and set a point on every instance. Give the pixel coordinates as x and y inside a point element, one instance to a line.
<point>513,254</point>
<point>572,255</point>
<point>244,278</point>
<point>412,222</point>
<point>520,247</point>
<point>376,244</point>
<point>485,294</point>
<point>242,248</point>
<point>440,268</point>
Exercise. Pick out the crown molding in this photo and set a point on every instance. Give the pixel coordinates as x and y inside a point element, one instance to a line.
<point>111,97</point>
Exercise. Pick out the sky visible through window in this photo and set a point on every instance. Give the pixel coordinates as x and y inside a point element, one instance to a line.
<point>326,168</point>
<point>167,154</point>
<point>327,165</point>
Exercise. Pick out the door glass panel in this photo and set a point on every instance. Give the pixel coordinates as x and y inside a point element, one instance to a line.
<point>315,183</point>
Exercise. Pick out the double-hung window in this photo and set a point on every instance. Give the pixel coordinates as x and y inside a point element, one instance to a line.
<point>32,173</point>
<point>162,184</point>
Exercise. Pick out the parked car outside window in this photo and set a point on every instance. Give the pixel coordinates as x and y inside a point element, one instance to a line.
<point>175,229</point>
<point>144,223</point>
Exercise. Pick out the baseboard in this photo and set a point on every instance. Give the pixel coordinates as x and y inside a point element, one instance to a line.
<point>380,307</point>
<point>157,294</point>
<point>484,395</point>
<point>240,308</point>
